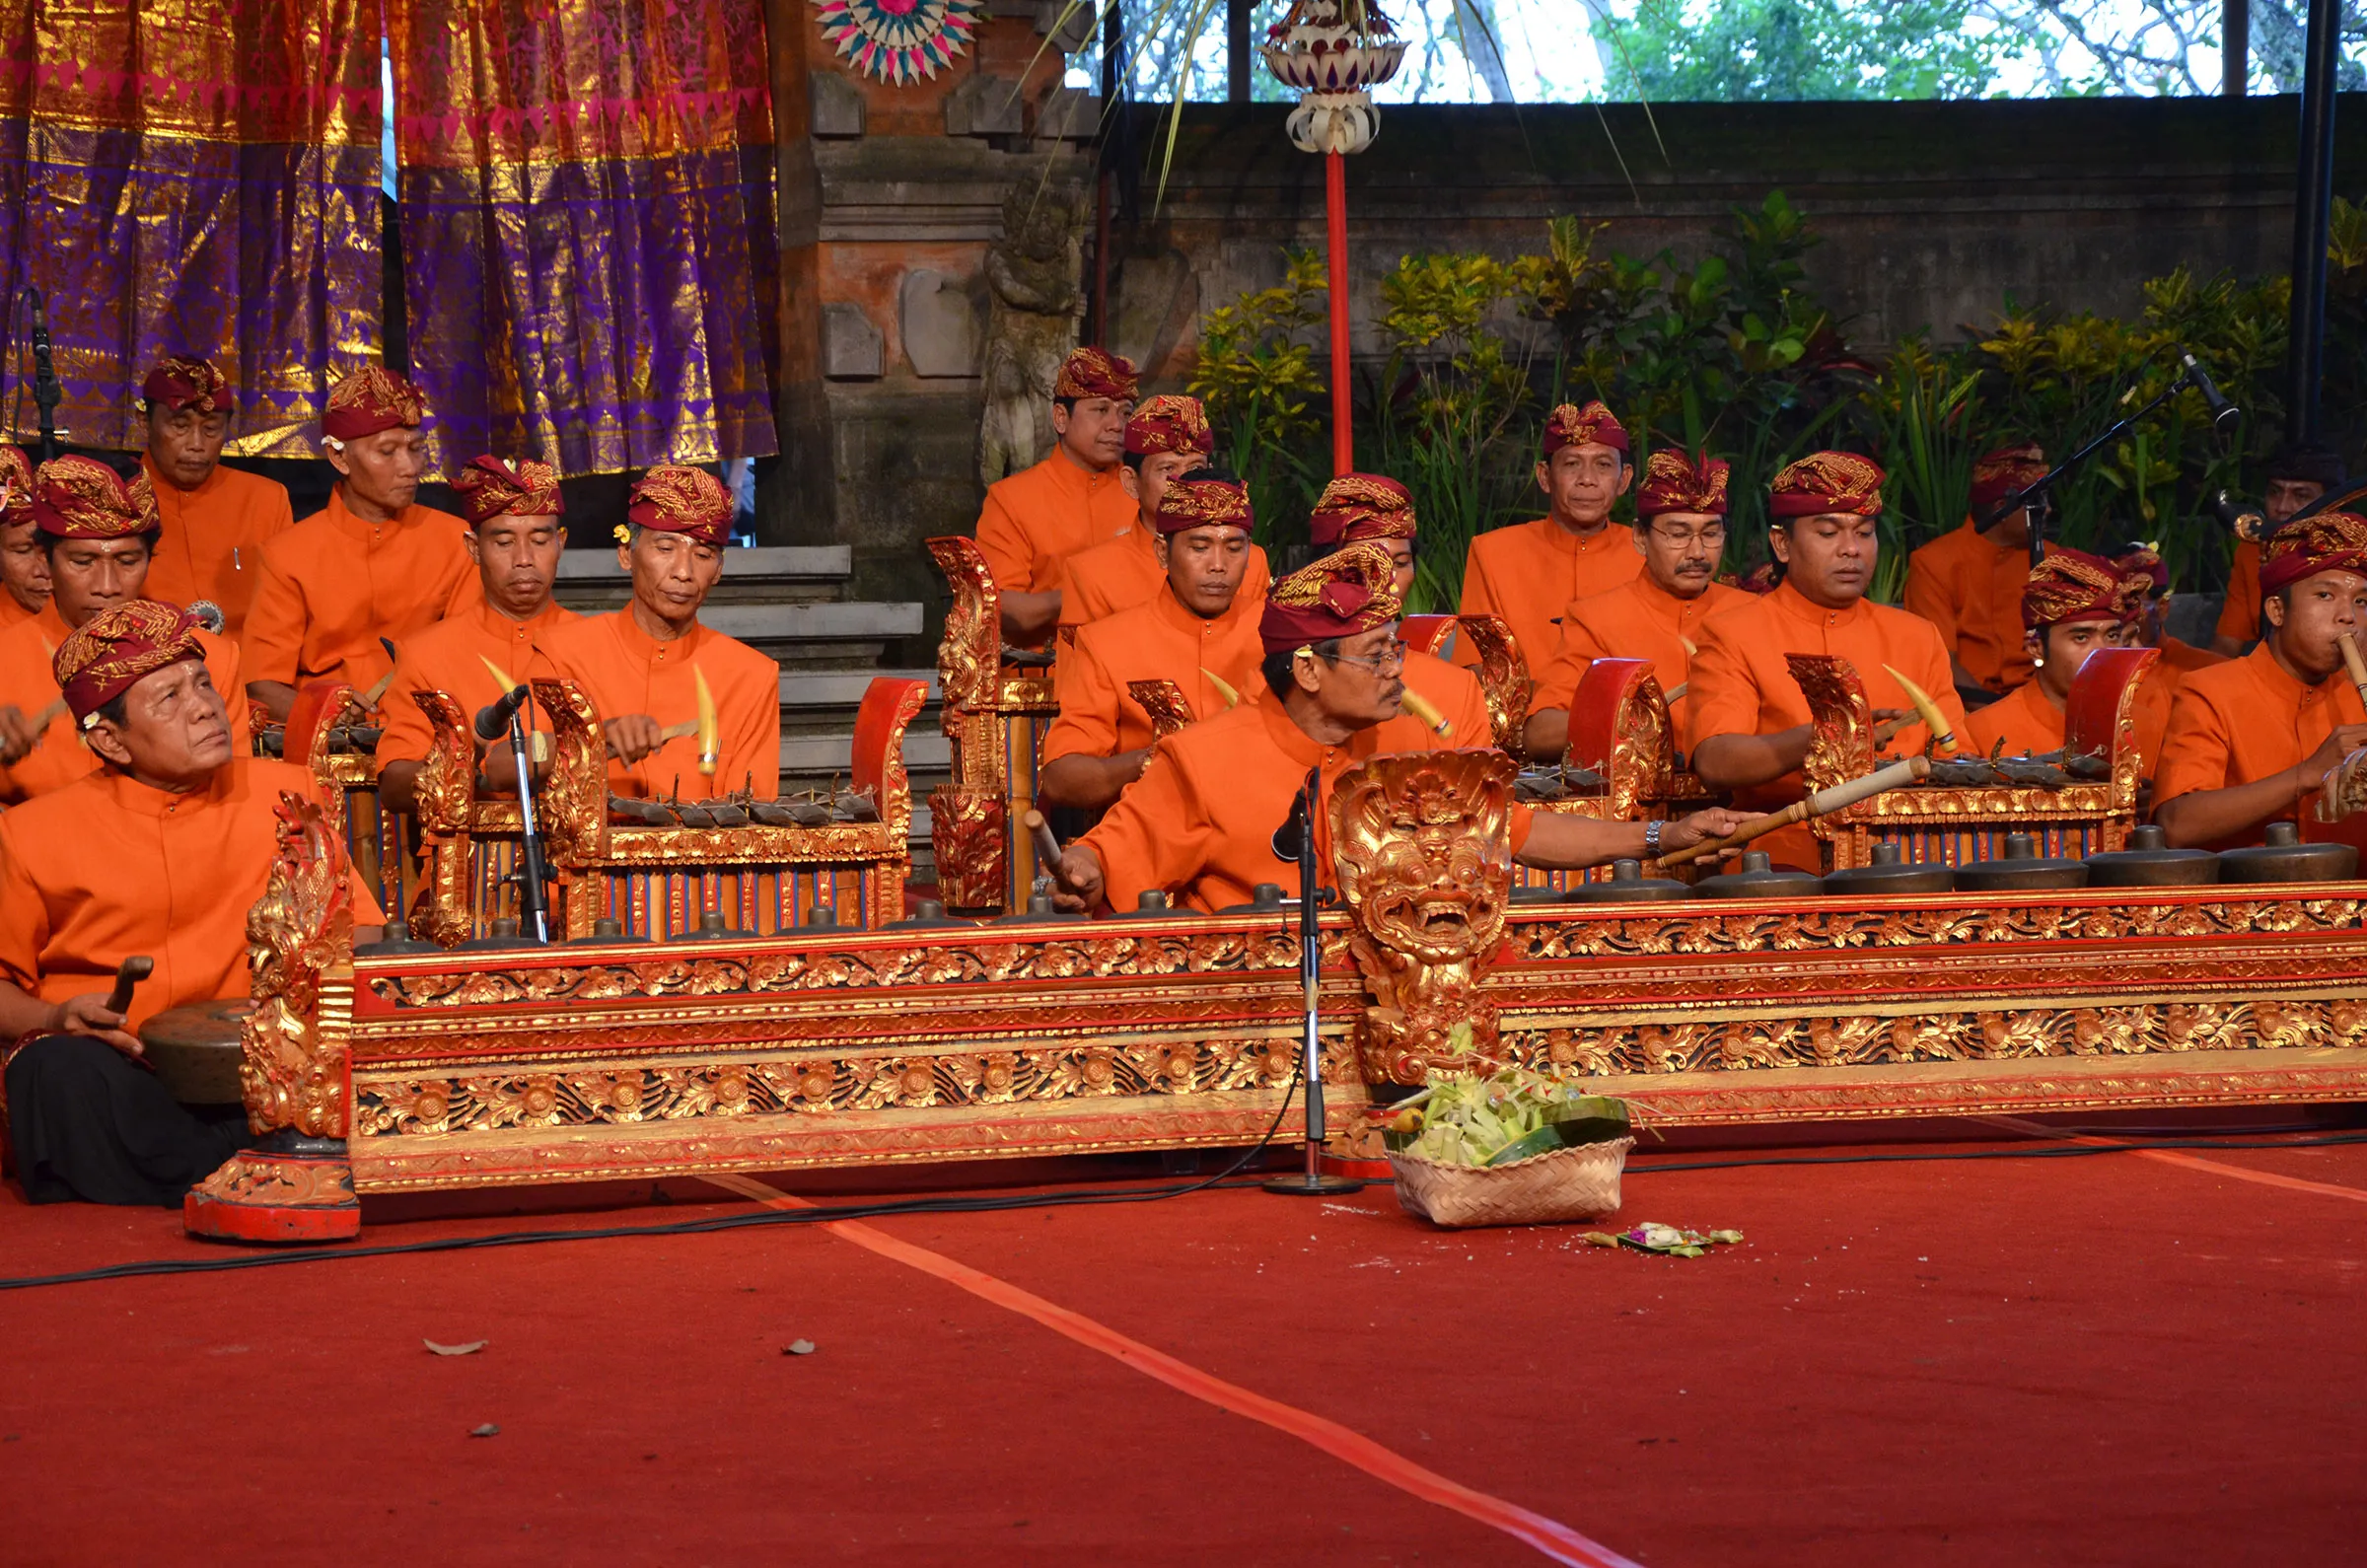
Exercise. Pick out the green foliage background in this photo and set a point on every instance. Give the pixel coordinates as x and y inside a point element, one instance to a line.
<point>1738,355</point>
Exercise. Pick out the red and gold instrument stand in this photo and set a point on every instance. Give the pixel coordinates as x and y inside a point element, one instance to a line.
<point>656,881</point>
<point>996,716</point>
<point>897,1046</point>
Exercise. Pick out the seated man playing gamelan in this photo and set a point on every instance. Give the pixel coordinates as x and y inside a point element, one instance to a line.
<point>1200,633</point>
<point>1199,824</point>
<point>161,853</point>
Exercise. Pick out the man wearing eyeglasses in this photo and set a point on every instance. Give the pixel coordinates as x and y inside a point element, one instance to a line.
<point>1681,531</point>
<point>1199,824</point>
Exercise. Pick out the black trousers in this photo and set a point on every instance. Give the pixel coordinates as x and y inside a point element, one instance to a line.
<point>87,1123</point>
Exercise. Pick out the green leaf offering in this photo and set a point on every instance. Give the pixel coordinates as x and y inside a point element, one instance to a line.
<point>1514,1115</point>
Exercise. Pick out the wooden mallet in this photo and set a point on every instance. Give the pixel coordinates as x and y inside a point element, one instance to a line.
<point>128,973</point>
<point>1822,803</point>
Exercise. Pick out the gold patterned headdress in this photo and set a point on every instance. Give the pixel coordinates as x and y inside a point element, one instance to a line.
<point>111,652</point>
<point>1349,590</point>
<point>2073,586</point>
<point>81,498</point>
<point>1096,373</point>
<point>371,400</point>
<point>490,488</point>
<point>1361,506</point>
<point>1824,483</point>
<point>680,500</point>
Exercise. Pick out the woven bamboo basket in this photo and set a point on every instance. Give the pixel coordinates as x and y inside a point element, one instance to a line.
<point>1580,1182</point>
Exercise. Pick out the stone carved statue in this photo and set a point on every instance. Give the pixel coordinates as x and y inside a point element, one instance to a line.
<point>1035,275</point>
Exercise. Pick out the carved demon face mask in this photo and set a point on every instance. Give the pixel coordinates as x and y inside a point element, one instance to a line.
<point>1424,851</point>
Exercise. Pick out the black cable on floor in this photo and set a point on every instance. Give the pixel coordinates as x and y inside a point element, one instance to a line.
<point>720,1222</point>
<point>1047,1200</point>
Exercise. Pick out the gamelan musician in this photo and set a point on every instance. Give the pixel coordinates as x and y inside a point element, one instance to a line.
<point>2073,604</point>
<point>517,529</point>
<point>1525,574</point>
<point>2250,741</point>
<point>161,853</point>
<point>1751,724</point>
<point>643,665</point>
<point>1199,633</point>
<point>1167,437</point>
<point>1034,520</point>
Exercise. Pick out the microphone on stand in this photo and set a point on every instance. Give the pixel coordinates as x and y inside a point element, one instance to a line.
<point>533,898</point>
<point>46,393</point>
<point>493,719</point>
<point>2225,415</point>
<point>1294,840</point>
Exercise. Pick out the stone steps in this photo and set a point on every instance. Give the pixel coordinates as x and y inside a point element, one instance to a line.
<point>590,579</point>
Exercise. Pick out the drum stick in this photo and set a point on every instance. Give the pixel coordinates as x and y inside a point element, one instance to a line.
<point>50,715</point>
<point>1822,803</point>
<point>1048,847</point>
<point>2353,663</point>
<point>1675,691</point>
<point>1424,709</point>
<point>128,973</point>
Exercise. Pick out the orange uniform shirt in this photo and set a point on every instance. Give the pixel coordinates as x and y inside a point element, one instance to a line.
<point>626,670</point>
<point>2030,724</point>
<point>29,682</point>
<point>1527,573</point>
<point>11,613</point>
<point>1200,821</point>
<point>2240,612</point>
<point>109,868</point>
<point>212,545</point>
<point>1639,620</point>
<point>1741,685</point>
<point>449,657</point>
<point>1971,590</point>
<point>1159,640</point>
<point>333,584</point>
<point>2245,720</point>
<point>1124,572</point>
<point>1039,517</point>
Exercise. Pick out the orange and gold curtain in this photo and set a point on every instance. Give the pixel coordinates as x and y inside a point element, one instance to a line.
<point>586,191</point>
<point>190,178</point>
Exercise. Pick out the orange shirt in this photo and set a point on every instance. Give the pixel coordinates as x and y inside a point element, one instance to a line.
<point>212,544</point>
<point>1638,620</point>
<point>1525,574</point>
<point>449,657</point>
<point>1741,685</point>
<point>1200,821</point>
<point>29,682</point>
<point>108,868</point>
<point>1124,572</point>
<point>1157,640</point>
<point>1039,517</point>
<point>333,584</point>
<point>2245,720</point>
<point>11,613</point>
<point>2030,726</point>
<point>1971,588</point>
<point>626,670</point>
<point>2240,612</point>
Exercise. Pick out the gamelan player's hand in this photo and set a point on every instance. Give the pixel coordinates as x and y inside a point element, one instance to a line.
<point>1078,882</point>
<point>1716,822</point>
<point>89,1014</point>
<point>2347,738</point>
<point>16,734</point>
<point>632,736</point>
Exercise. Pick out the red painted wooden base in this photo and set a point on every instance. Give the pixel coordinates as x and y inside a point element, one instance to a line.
<point>275,1198</point>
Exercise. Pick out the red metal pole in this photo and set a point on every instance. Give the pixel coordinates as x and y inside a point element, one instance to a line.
<point>1336,214</point>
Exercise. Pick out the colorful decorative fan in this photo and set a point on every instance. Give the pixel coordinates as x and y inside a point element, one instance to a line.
<point>898,42</point>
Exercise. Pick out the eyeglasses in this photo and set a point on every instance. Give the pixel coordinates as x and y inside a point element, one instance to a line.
<point>1390,657</point>
<point>1710,535</point>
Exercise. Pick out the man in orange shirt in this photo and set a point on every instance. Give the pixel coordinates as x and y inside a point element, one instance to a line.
<point>216,519</point>
<point>1968,583</point>
<point>641,665</point>
<point>1199,824</point>
<point>2073,604</point>
<point>1034,520</point>
<point>2297,476</point>
<point>372,564</point>
<point>515,536</point>
<point>159,854</point>
<point>2149,610</point>
<point>24,564</point>
<point>98,535</point>
<point>1680,531</point>
<point>1202,630</point>
<point>2250,741</point>
<point>1750,726</point>
<point>1167,437</point>
<point>1525,574</point>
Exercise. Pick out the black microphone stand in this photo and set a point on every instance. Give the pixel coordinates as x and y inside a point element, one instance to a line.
<point>2040,492</point>
<point>46,393</point>
<point>1310,1183</point>
<point>534,898</point>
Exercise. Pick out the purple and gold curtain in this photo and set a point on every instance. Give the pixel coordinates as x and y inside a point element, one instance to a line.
<point>192,178</point>
<point>586,191</point>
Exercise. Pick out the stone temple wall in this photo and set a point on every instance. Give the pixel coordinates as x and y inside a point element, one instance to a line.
<point>1933,214</point>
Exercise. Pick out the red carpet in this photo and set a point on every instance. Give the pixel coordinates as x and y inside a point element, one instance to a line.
<point>2114,1358</point>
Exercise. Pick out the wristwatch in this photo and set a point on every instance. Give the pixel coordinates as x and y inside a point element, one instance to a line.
<point>1652,838</point>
